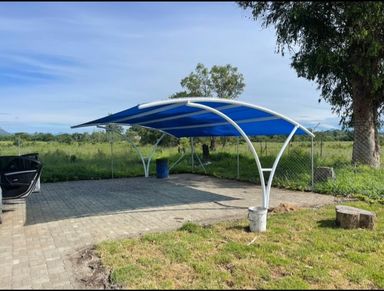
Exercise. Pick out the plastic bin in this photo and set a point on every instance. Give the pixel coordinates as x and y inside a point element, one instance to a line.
<point>162,170</point>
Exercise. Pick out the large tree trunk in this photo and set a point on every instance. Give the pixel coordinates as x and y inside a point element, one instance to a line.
<point>366,149</point>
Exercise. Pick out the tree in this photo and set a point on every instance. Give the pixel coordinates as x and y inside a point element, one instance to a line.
<point>219,81</point>
<point>340,45</point>
<point>181,94</point>
<point>64,138</point>
<point>113,127</point>
<point>226,82</point>
<point>149,136</point>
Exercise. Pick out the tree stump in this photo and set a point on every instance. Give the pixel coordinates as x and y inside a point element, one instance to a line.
<point>351,217</point>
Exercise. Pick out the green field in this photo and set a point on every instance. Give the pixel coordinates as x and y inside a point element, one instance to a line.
<point>86,160</point>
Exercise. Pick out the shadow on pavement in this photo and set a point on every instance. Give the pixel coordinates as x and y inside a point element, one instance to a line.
<point>64,200</point>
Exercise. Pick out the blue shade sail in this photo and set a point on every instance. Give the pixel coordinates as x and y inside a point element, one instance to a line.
<point>176,117</point>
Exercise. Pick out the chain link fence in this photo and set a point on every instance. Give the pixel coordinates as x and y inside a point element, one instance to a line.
<point>349,166</point>
<point>327,164</point>
<point>330,163</point>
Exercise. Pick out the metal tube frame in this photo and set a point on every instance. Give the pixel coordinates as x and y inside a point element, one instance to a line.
<point>147,164</point>
<point>178,161</point>
<point>146,170</point>
<point>277,159</point>
<point>266,189</point>
<point>215,99</point>
<point>193,102</point>
<point>140,155</point>
<point>244,135</point>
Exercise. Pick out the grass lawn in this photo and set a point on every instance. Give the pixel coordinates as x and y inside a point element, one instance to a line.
<point>301,249</point>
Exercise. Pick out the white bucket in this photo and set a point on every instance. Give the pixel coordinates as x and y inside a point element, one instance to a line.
<point>257,219</point>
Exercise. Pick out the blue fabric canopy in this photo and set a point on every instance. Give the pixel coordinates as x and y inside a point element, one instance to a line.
<point>179,118</point>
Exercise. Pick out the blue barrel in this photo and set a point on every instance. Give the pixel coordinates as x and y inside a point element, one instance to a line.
<point>162,168</point>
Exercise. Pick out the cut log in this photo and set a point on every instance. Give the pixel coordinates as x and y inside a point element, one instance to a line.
<point>352,217</point>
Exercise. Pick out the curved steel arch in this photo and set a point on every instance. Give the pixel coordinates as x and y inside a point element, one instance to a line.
<point>266,189</point>
<point>221,100</point>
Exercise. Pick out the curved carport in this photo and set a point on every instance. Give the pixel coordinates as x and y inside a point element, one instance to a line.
<point>202,117</point>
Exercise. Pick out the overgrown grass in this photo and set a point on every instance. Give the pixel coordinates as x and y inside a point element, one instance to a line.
<point>65,162</point>
<point>300,250</point>
<point>362,182</point>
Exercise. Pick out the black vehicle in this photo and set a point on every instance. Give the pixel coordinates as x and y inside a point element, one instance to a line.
<point>19,175</point>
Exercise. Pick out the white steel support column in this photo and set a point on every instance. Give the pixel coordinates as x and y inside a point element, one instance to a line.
<point>148,163</point>
<point>277,160</point>
<point>146,170</point>
<point>244,135</point>
<point>140,155</point>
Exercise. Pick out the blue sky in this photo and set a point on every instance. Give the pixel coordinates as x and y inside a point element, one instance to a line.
<point>63,64</point>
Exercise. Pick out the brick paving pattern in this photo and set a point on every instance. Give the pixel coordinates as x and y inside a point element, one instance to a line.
<point>38,235</point>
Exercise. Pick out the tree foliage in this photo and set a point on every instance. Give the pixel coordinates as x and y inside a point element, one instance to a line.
<point>331,43</point>
<point>149,136</point>
<point>340,45</point>
<point>219,81</point>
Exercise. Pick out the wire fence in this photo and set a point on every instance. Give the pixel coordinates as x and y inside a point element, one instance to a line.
<point>326,165</point>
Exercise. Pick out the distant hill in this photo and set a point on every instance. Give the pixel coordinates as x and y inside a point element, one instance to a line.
<point>3,132</point>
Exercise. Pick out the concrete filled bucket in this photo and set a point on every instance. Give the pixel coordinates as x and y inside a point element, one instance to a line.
<point>257,217</point>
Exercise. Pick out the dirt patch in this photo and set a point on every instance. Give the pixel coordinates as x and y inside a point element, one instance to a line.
<point>89,271</point>
<point>283,207</point>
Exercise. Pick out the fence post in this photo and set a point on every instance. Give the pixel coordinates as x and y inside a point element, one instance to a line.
<point>192,154</point>
<point>238,159</point>
<point>312,166</point>
<point>261,147</point>
<point>111,142</point>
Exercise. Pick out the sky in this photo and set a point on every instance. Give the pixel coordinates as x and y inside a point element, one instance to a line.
<point>65,63</point>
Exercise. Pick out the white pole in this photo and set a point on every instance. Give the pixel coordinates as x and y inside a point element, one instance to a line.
<point>277,161</point>
<point>192,153</point>
<point>238,159</point>
<point>111,142</point>
<point>151,155</point>
<point>312,169</point>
